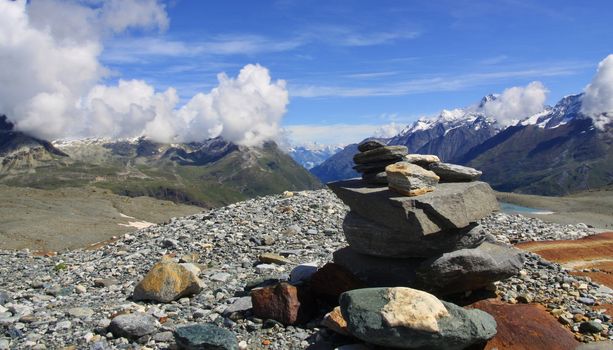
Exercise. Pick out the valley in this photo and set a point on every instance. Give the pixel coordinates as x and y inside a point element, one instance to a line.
<point>70,218</point>
<point>594,208</point>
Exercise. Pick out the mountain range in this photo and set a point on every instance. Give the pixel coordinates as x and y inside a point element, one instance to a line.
<point>554,152</point>
<point>209,173</point>
<point>310,156</point>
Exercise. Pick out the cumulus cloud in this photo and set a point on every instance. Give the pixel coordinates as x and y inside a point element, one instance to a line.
<point>598,99</point>
<point>50,80</point>
<point>517,103</point>
<point>388,130</point>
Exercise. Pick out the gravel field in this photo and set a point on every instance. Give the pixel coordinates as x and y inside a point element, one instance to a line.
<point>53,302</point>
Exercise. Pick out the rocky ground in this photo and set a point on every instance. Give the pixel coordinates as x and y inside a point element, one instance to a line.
<point>68,300</point>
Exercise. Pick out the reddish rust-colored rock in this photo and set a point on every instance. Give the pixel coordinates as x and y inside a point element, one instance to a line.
<point>586,253</point>
<point>332,280</point>
<point>334,321</point>
<point>284,303</point>
<point>525,327</point>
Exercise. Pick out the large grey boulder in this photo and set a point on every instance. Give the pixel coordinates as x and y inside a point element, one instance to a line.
<point>381,154</point>
<point>452,206</point>
<point>454,173</point>
<point>367,237</point>
<point>468,269</point>
<point>168,281</point>
<point>377,271</point>
<point>133,326</point>
<point>411,319</point>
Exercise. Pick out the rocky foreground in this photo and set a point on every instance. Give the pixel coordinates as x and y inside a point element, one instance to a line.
<point>68,300</point>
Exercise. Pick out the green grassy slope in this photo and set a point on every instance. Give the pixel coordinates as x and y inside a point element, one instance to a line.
<point>179,175</point>
<point>570,158</point>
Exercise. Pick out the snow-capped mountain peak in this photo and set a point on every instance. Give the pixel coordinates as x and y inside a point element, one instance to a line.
<point>451,119</point>
<point>567,109</point>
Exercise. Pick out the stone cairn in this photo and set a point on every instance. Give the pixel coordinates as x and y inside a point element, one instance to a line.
<point>374,156</point>
<point>420,230</point>
<point>413,239</point>
<point>411,230</point>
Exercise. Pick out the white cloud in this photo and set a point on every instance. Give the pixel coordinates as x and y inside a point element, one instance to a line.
<point>598,99</point>
<point>143,48</point>
<point>434,84</point>
<point>247,110</point>
<point>119,15</point>
<point>339,35</point>
<point>49,81</point>
<point>517,103</point>
<point>389,130</point>
<point>86,23</point>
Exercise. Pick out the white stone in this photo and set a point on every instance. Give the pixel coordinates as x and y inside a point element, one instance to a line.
<point>413,309</point>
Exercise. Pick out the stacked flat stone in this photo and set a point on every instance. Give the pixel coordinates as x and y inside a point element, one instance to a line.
<point>374,156</point>
<point>425,238</point>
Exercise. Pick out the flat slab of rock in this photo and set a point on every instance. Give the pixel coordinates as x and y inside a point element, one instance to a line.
<point>373,167</point>
<point>205,336</point>
<point>469,269</point>
<point>272,258</point>
<point>423,160</point>
<point>455,173</point>
<point>409,319</point>
<point>410,179</point>
<point>452,206</point>
<point>367,237</point>
<point>525,327</point>
<point>381,154</point>
<point>370,145</point>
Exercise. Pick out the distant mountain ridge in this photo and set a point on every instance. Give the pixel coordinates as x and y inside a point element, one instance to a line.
<point>554,152</point>
<point>20,151</point>
<point>339,166</point>
<point>449,135</point>
<point>311,156</point>
<point>209,173</point>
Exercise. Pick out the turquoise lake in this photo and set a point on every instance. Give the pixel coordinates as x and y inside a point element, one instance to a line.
<point>518,209</point>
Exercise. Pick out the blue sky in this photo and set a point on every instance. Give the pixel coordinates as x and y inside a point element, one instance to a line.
<point>367,63</point>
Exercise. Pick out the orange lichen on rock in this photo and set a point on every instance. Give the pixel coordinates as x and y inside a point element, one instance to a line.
<point>168,281</point>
